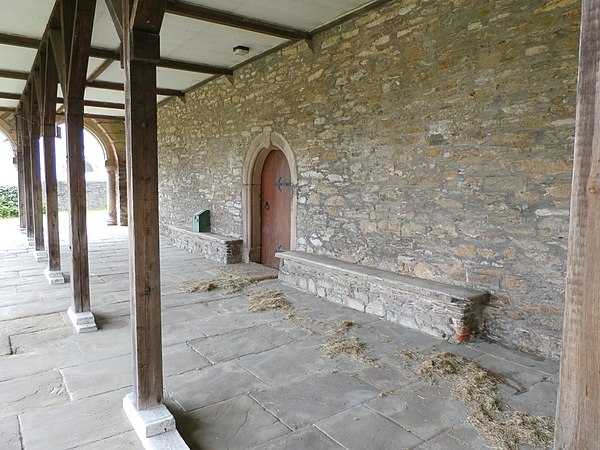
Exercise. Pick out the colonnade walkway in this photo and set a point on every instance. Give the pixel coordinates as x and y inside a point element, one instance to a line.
<point>314,375</point>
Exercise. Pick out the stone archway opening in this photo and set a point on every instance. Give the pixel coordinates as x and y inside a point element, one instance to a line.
<point>8,163</point>
<point>252,171</point>
<point>100,168</point>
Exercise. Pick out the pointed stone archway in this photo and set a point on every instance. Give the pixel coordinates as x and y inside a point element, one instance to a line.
<point>252,170</point>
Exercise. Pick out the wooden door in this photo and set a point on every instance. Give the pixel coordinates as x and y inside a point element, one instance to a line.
<point>276,207</point>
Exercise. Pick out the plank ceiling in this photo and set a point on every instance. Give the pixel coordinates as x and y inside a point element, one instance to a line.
<point>183,39</point>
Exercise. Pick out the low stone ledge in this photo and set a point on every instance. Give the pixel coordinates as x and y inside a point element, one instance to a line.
<point>439,309</point>
<point>216,247</point>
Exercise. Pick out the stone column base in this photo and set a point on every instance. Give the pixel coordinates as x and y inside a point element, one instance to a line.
<point>82,321</point>
<point>40,255</point>
<point>54,276</point>
<point>155,427</point>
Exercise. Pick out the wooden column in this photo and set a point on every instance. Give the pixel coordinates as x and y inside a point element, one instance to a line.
<point>578,407</point>
<point>141,54</point>
<point>21,175</point>
<point>25,133</point>
<point>111,195</point>
<point>49,82</point>
<point>36,181</point>
<point>70,45</point>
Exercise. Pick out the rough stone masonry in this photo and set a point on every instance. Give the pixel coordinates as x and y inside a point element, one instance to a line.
<point>432,139</point>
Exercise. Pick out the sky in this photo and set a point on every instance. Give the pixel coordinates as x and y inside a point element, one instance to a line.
<point>94,156</point>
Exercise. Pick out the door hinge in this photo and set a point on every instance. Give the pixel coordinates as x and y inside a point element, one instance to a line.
<point>281,184</point>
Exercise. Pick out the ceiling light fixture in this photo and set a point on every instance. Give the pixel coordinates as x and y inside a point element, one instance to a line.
<point>240,50</point>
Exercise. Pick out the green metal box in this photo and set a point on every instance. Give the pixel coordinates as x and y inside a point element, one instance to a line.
<point>201,221</point>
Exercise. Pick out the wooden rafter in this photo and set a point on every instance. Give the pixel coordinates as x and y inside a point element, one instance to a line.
<point>15,75</point>
<point>103,53</point>
<point>235,21</point>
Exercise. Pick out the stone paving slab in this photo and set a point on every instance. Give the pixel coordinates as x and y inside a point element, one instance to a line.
<point>423,410</point>
<point>362,428</point>
<point>302,402</point>
<point>238,423</point>
<point>297,359</point>
<point>10,436</point>
<point>31,392</point>
<point>303,439</point>
<point>193,390</point>
<point>5,348</point>
<point>75,423</point>
<point>25,364</point>
<point>228,346</point>
<point>33,324</point>
<point>125,441</point>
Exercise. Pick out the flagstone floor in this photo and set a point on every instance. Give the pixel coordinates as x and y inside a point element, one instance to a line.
<point>234,379</point>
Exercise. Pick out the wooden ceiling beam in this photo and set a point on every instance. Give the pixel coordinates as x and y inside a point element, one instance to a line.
<point>119,87</point>
<point>10,96</point>
<point>103,53</point>
<point>219,17</point>
<point>15,75</point>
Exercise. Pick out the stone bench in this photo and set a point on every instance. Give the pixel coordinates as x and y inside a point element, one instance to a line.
<point>216,247</point>
<point>439,309</point>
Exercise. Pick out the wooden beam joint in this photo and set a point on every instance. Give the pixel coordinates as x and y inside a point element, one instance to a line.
<point>145,46</point>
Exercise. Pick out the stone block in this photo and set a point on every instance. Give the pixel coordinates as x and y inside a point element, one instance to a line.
<point>216,247</point>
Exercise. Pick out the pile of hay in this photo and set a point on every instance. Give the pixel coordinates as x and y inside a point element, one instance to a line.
<point>267,300</point>
<point>307,323</point>
<point>341,344</point>
<point>347,346</point>
<point>231,285</point>
<point>475,387</point>
<point>232,279</point>
<point>342,327</point>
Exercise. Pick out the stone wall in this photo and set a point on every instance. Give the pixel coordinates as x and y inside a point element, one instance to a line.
<point>432,138</point>
<point>96,194</point>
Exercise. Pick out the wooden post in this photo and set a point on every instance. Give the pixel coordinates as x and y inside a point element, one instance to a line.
<point>25,133</point>
<point>36,181</point>
<point>578,406</point>
<point>142,184</point>
<point>71,45</point>
<point>49,81</point>
<point>141,52</point>
<point>21,174</point>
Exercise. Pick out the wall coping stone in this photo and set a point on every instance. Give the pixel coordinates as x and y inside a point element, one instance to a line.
<point>208,236</point>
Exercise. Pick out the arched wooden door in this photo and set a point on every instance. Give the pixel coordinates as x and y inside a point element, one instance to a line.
<point>276,208</point>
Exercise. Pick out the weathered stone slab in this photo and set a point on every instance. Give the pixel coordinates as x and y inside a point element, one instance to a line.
<point>216,247</point>
<point>98,377</point>
<point>187,312</point>
<point>32,392</point>
<point>125,441</point>
<point>5,345</point>
<point>10,436</point>
<point>305,438</point>
<point>25,364</point>
<point>225,347</point>
<point>423,410</point>
<point>237,423</point>
<point>193,390</point>
<point>443,310</point>
<point>75,423</point>
<point>294,360</point>
<point>349,429</point>
<point>301,402</point>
